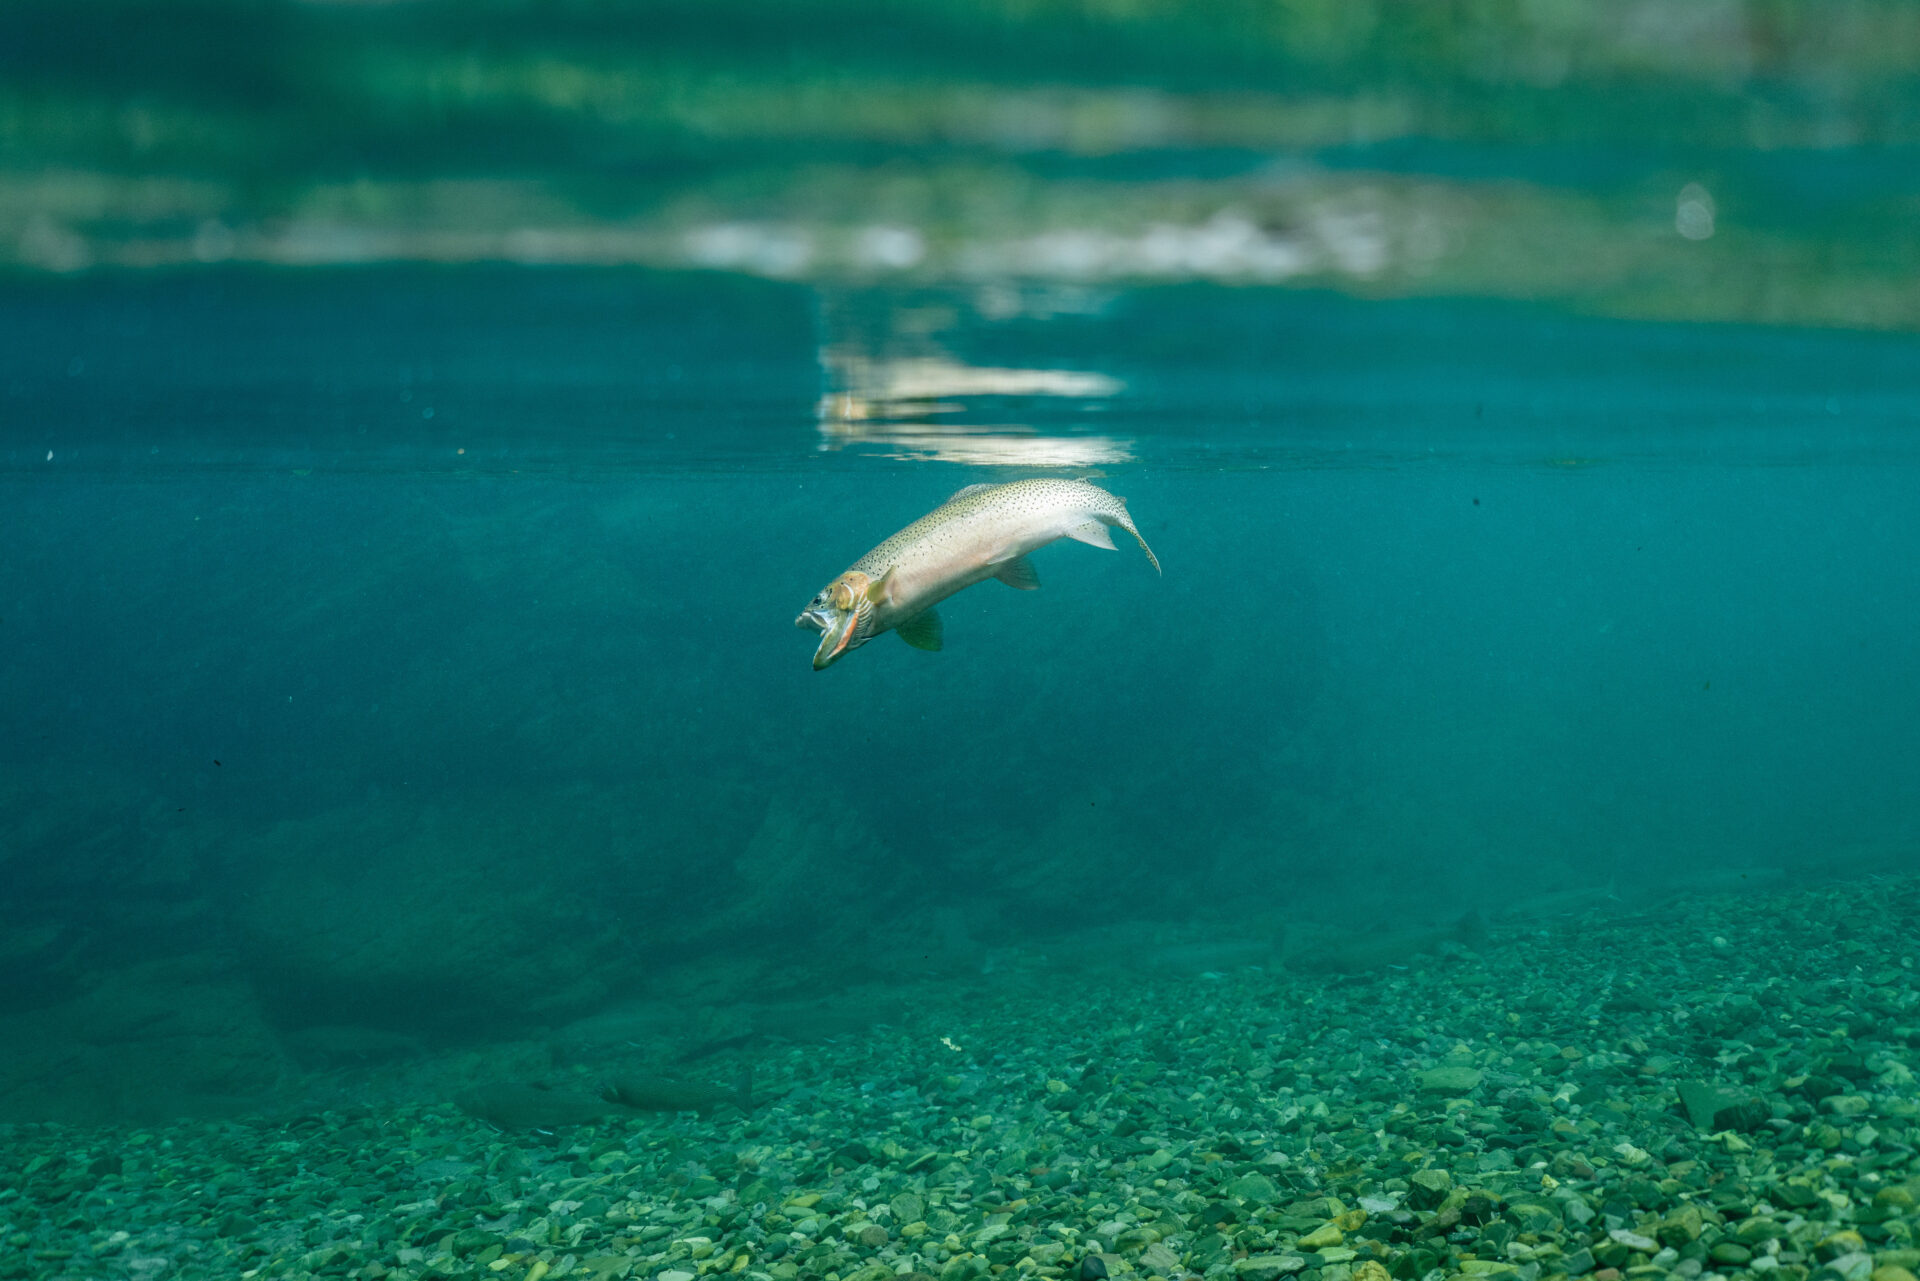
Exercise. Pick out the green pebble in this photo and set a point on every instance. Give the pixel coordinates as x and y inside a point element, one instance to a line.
<point>1429,1188</point>
<point>471,1241</point>
<point>1253,1187</point>
<point>1450,1079</point>
<point>1611,1254</point>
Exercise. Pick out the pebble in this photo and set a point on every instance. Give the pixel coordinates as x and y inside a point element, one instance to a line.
<point>1257,1125</point>
<point>1327,1234</point>
<point>1429,1187</point>
<point>1451,1079</point>
<point>1857,1266</point>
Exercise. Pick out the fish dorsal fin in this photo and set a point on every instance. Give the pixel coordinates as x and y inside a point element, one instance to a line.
<point>923,630</point>
<point>880,591</point>
<point>964,490</point>
<point>1019,573</point>
<point>1094,534</point>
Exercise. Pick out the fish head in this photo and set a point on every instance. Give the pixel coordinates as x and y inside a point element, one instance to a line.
<point>842,612</point>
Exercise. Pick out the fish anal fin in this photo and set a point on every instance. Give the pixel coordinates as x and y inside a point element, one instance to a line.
<point>1019,573</point>
<point>1094,534</point>
<point>923,630</point>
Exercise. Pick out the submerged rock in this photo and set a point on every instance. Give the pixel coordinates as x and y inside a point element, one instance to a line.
<point>1487,1121</point>
<point>391,915</point>
<point>799,1022</point>
<point>1208,957</point>
<point>1363,953</point>
<point>531,1107</point>
<point>335,1044</point>
<point>162,1039</point>
<point>648,1093</point>
<point>1451,1079</point>
<point>1712,1108</point>
<point>638,1023</point>
<point>1429,1188</point>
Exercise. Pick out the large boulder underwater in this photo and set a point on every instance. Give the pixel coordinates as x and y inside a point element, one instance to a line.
<point>423,917</point>
<point>175,1036</point>
<point>533,908</point>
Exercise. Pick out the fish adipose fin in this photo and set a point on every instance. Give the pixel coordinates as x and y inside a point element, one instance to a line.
<point>923,630</point>
<point>1094,534</point>
<point>1020,573</point>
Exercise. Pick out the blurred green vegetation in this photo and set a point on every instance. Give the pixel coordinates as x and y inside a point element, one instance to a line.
<point>1507,147</point>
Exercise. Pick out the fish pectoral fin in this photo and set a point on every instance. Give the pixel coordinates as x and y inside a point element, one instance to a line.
<point>880,592</point>
<point>923,630</point>
<point>1094,534</point>
<point>1019,573</point>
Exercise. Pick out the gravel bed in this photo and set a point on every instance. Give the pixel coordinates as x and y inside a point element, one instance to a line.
<point>1721,1089</point>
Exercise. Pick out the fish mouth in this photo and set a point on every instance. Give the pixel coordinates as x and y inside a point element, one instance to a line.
<point>837,631</point>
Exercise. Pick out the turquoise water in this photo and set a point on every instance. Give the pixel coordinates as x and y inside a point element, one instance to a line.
<point>1487,852</point>
<point>1464,601</point>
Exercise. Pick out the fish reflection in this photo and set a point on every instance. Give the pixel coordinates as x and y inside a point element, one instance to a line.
<point>896,403</point>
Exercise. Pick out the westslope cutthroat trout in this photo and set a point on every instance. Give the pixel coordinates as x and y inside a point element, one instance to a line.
<point>982,532</point>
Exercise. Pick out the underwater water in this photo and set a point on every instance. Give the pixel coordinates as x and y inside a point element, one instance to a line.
<point>408,736</point>
<point>1487,852</point>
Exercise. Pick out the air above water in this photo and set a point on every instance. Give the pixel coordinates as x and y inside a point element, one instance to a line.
<point>1486,849</point>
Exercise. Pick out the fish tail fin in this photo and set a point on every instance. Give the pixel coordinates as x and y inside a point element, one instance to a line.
<point>1125,521</point>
